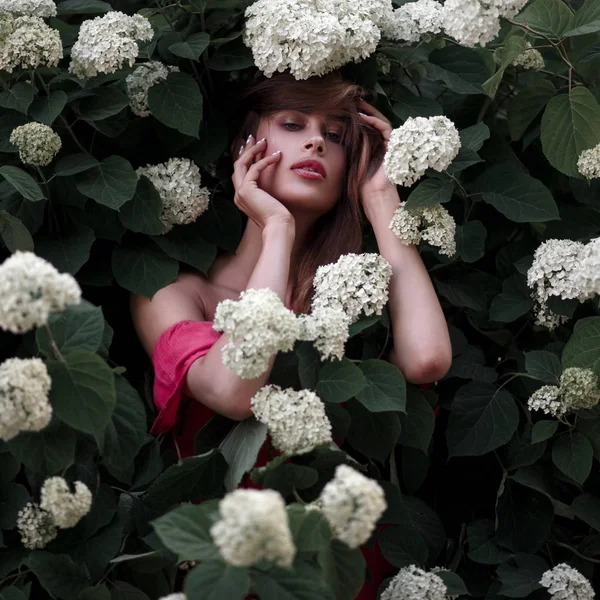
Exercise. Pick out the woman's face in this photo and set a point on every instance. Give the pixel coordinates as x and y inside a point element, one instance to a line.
<point>304,137</point>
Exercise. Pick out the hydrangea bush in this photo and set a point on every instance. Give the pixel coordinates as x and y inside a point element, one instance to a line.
<point>115,176</point>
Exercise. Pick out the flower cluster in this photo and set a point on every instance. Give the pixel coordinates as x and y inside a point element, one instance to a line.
<point>37,143</point>
<point>31,288</point>
<point>254,526</point>
<point>36,526</point>
<point>415,21</point>
<point>565,269</point>
<point>176,596</point>
<point>32,8</point>
<point>24,388</point>
<point>296,420</point>
<point>434,224</point>
<point>472,22</point>
<point>312,37</point>
<point>577,389</point>
<point>352,504</point>
<point>141,80</point>
<point>179,184</point>
<point>106,43</point>
<point>567,583</point>
<point>412,583</point>
<point>328,328</point>
<point>259,326</point>
<point>66,508</point>
<point>27,42</point>
<point>588,163</point>
<point>421,143</point>
<point>355,283</point>
<point>530,58</point>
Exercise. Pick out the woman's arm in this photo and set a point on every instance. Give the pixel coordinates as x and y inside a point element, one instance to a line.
<point>422,349</point>
<point>208,380</point>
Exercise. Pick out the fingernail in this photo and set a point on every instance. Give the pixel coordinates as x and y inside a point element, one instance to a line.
<point>241,150</point>
<point>363,114</point>
<point>260,141</point>
<point>249,138</point>
<point>278,152</point>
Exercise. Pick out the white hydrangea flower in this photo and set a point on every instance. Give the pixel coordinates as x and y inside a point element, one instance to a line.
<point>32,8</point>
<point>506,8</point>
<point>67,508</point>
<point>141,80</point>
<point>31,288</point>
<point>588,163</point>
<point>579,388</point>
<point>179,184</point>
<point>412,583</point>
<point>547,399</point>
<point>259,326</point>
<point>254,526</point>
<point>106,43</point>
<point>177,596</point>
<point>27,42</point>
<point>352,503</point>
<point>586,277</point>
<point>36,526</point>
<point>312,37</point>
<point>329,329</point>
<point>37,143</point>
<point>421,143</point>
<point>355,283</point>
<point>434,224</point>
<point>296,420</point>
<point>567,583</point>
<point>530,58</point>
<point>384,64</point>
<point>415,21</point>
<point>24,404</point>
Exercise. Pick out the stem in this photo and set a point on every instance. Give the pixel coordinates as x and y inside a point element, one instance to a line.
<point>576,552</point>
<point>64,122</point>
<point>55,350</point>
<point>486,104</point>
<point>297,496</point>
<point>46,186</point>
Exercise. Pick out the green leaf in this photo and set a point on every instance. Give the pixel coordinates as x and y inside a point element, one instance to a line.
<point>523,578</point>
<point>570,125</point>
<point>340,380</point>
<point>385,389</point>
<point>177,102</point>
<point>13,497</point>
<point>587,20</point>
<point>19,97</point>
<point>483,546</point>
<point>79,327</point>
<point>142,213</point>
<point>47,108</point>
<point>460,69</point>
<point>125,591</point>
<point>543,430</point>
<point>12,593</point>
<point>214,580</point>
<point>69,249</point>
<point>74,164</point>
<point>301,582</point>
<point>310,529</point>
<point>543,365</point>
<point>403,545</point>
<point>192,47</point>
<point>517,195</point>
<point>583,348</point>
<point>14,234</point>
<point>512,48</point>
<point>142,268</point>
<point>418,422</point>
<point>551,18</point>
<point>106,102</point>
<point>483,418</point>
<point>240,450</point>
<point>344,569</point>
<point>233,56</point>
<point>83,392</point>
<point>186,531</point>
<point>112,182</point>
<point>23,182</point>
<point>59,574</point>
<point>475,136</point>
<point>309,365</point>
<point>587,508</point>
<point>455,586</point>
<point>48,451</point>
<point>470,240</point>
<point>98,592</point>
<point>374,434</point>
<point>408,105</point>
<point>526,105</point>
<point>429,193</point>
<point>573,454</point>
<point>85,7</point>
<point>286,477</point>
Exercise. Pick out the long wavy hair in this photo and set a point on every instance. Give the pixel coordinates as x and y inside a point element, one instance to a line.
<point>340,230</point>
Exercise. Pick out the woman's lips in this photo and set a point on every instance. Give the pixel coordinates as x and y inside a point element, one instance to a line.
<point>308,174</point>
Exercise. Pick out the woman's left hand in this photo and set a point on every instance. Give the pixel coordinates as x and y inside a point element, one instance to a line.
<point>377,184</point>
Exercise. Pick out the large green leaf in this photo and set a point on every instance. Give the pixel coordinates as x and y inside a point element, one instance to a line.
<point>340,380</point>
<point>83,391</point>
<point>482,419</point>
<point>374,434</point>
<point>86,7</point>
<point>408,105</point>
<point>18,97</point>
<point>583,349</point>
<point>231,57</point>
<point>12,593</point>
<point>521,579</point>
<point>106,102</point>
<point>418,421</point>
<point>587,20</point>
<point>548,17</point>
<point>142,268</point>
<point>301,582</point>
<point>14,234</point>
<point>73,164</point>
<point>483,546</point>
<point>59,574</point>
<point>403,545</point>
<point>573,454</point>
<point>587,508</point>
<point>68,250</point>
<point>13,497</point>
<point>470,240</point>
<point>344,569</point>
<point>47,108</point>
<point>526,105</point>
<point>23,182</point>
<point>177,102</point>
<point>111,183</point>
<point>385,389</point>
<point>310,529</point>
<point>517,195</point>
<point>142,213</point>
<point>514,301</point>
<point>214,580</point>
<point>429,193</point>
<point>570,125</point>
<point>460,69</point>
<point>512,48</point>
<point>543,365</point>
<point>192,47</point>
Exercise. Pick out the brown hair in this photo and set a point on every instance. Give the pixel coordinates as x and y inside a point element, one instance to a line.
<point>339,231</point>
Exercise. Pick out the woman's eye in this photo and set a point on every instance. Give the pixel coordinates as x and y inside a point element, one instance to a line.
<point>335,137</point>
<point>291,125</point>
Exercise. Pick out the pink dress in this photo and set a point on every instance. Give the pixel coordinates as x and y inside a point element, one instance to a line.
<point>175,351</point>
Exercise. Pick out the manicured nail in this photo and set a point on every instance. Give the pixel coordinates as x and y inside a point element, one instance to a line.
<point>249,138</point>
<point>363,114</point>
<point>275,153</point>
<point>241,149</point>
<point>260,141</point>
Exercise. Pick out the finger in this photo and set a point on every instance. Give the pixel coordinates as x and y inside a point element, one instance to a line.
<point>257,168</point>
<point>251,149</point>
<point>370,110</point>
<point>383,127</point>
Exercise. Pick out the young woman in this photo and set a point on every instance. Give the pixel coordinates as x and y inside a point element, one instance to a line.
<point>307,166</point>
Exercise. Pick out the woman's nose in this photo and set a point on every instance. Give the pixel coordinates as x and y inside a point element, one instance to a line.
<point>315,143</point>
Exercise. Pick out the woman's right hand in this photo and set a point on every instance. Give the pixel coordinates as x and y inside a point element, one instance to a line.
<point>259,205</point>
